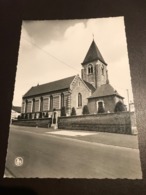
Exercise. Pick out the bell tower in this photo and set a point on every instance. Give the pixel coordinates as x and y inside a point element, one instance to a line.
<point>94,68</point>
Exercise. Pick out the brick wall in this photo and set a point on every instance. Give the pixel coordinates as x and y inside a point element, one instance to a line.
<point>112,122</point>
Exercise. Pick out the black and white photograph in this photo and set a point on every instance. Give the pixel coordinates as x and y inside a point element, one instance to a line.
<point>73,112</point>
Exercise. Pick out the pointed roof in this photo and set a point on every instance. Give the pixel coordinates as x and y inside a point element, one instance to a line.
<point>50,87</point>
<point>105,90</point>
<point>93,54</point>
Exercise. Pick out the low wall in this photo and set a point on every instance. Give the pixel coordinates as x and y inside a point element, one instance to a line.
<point>44,122</point>
<point>112,122</point>
<point>123,122</point>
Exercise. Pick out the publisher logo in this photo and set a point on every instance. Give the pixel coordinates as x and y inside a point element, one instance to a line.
<point>18,161</point>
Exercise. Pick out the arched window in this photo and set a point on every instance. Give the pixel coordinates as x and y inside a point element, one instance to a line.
<point>79,99</point>
<point>90,69</point>
<point>51,102</point>
<point>41,104</point>
<point>100,106</point>
<point>102,69</point>
<point>23,106</point>
<point>62,100</point>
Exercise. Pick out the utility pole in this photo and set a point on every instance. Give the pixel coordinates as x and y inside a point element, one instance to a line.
<point>128,99</point>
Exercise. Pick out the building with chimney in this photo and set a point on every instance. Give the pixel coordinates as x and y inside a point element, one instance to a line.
<point>92,89</point>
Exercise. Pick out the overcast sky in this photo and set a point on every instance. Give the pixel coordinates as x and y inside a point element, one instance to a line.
<point>52,50</point>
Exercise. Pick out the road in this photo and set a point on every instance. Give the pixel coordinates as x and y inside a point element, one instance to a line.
<point>50,156</point>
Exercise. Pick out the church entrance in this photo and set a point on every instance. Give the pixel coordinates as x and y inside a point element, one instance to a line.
<point>100,107</point>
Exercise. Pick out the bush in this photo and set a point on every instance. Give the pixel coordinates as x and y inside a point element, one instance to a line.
<point>85,110</point>
<point>19,117</point>
<point>34,115</point>
<point>30,116</point>
<point>120,107</point>
<point>46,115</point>
<point>73,112</point>
<point>25,116</point>
<point>63,111</point>
<point>40,115</point>
<point>22,115</point>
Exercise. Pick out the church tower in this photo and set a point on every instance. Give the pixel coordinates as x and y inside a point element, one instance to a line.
<point>94,69</point>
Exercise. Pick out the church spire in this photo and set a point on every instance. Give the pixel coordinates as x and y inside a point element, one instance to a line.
<point>94,67</point>
<point>93,54</point>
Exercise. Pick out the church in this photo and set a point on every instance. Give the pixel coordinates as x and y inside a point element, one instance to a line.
<point>92,89</point>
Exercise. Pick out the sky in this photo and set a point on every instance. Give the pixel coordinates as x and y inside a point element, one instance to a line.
<point>54,49</point>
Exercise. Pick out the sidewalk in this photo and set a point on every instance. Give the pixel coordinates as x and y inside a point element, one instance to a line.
<point>123,140</point>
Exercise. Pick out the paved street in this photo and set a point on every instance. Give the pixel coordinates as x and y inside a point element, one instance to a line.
<point>50,155</point>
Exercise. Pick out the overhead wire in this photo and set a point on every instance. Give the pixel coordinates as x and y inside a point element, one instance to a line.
<point>48,53</point>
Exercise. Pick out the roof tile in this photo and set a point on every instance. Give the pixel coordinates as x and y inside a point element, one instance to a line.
<point>93,54</point>
<point>105,90</point>
<point>50,87</point>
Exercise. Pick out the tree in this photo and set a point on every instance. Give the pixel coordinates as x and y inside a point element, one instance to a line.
<point>40,115</point>
<point>46,115</point>
<point>22,115</point>
<point>63,111</point>
<point>73,112</point>
<point>35,115</point>
<point>120,107</point>
<point>25,116</point>
<point>85,110</point>
<point>30,116</point>
<point>19,117</point>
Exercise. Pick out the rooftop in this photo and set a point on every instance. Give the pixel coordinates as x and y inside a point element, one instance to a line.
<point>105,90</point>
<point>93,54</point>
<point>50,87</point>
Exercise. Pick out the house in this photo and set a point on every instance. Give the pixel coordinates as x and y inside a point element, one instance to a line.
<point>92,89</point>
<point>15,112</point>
